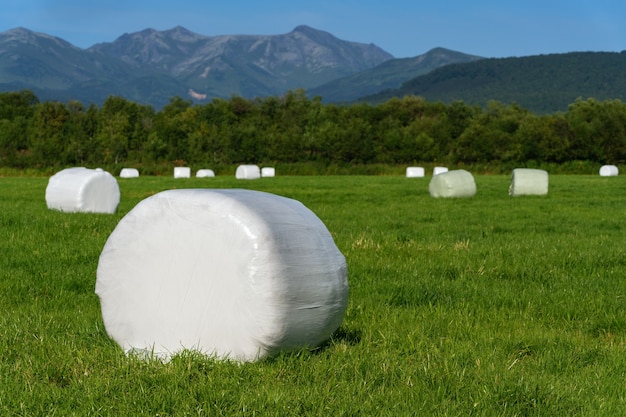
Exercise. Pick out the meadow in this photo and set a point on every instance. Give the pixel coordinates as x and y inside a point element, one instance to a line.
<point>484,306</point>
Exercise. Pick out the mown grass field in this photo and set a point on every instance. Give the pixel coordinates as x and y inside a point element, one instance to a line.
<point>487,306</point>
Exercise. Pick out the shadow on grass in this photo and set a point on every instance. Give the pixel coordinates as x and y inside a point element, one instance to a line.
<point>341,337</point>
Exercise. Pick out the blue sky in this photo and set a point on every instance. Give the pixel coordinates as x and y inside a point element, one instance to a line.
<point>488,28</point>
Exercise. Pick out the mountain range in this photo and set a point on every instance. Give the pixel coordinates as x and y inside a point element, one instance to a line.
<point>150,67</point>
<point>541,83</point>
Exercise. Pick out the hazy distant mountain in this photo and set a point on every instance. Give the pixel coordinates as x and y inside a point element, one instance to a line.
<point>388,75</point>
<point>150,66</point>
<point>302,58</point>
<point>541,83</point>
<point>43,61</point>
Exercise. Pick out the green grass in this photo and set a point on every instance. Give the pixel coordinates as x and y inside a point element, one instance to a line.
<point>488,306</point>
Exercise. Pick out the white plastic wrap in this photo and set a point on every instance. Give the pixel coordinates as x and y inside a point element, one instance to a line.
<point>527,181</point>
<point>238,274</point>
<point>248,172</point>
<point>129,173</point>
<point>83,190</point>
<point>609,171</point>
<point>205,173</point>
<point>456,183</point>
<point>439,170</point>
<point>268,172</point>
<point>414,172</point>
<point>182,172</point>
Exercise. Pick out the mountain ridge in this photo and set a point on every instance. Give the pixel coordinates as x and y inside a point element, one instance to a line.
<point>179,62</point>
<point>151,67</point>
<point>541,83</point>
<point>388,75</point>
<point>211,66</point>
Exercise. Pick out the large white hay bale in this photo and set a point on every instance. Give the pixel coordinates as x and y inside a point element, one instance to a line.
<point>83,190</point>
<point>609,171</point>
<point>205,173</point>
<point>248,172</point>
<point>182,172</point>
<point>268,172</point>
<point>414,172</point>
<point>234,273</point>
<point>528,181</point>
<point>456,183</point>
<point>129,173</point>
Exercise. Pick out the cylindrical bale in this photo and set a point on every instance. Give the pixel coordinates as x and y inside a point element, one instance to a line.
<point>415,172</point>
<point>182,172</point>
<point>205,173</point>
<point>268,172</point>
<point>609,171</point>
<point>439,170</point>
<point>248,172</point>
<point>528,181</point>
<point>83,190</point>
<point>231,273</point>
<point>129,173</point>
<point>456,183</point>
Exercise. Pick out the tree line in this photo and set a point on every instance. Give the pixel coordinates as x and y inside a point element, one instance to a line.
<point>295,128</point>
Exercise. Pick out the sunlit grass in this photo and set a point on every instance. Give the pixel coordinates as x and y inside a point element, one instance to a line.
<point>487,306</point>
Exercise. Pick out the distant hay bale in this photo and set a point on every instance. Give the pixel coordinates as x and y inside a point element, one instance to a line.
<point>205,173</point>
<point>414,172</point>
<point>129,173</point>
<point>248,172</point>
<point>439,170</point>
<point>527,181</point>
<point>182,172</point>
<point>268,172</point>
<point>609,171</point>
<point>83,190</point>
<point>231,273</point>
<point>456,183</point>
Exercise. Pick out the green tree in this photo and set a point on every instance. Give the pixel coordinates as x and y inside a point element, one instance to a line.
<point>544,139</point>
<point>598,130</point>
<point>16,112</point>
<point>169,129</point>
<point>17,104</point>
<point>491,137</point>
<point>48,135</point>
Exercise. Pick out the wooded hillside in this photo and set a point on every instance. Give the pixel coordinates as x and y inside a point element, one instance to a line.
<point>541,83</point>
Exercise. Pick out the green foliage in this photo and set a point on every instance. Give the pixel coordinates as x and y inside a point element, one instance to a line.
<point>294,129</point>
<point>488,306</point>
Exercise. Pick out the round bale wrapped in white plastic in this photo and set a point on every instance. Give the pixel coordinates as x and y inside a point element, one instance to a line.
<point>609,171</point>
<point>268,172</point>
<point>182,172</point>
<point>205,173</point>
<point>248,172</point>
<point>235,274</point>
<point>129,173</point>
<point>414,172</point>
<point>439,170</point>
<point>456,183</point>
<point>83,190</point>
<point>528,181</point>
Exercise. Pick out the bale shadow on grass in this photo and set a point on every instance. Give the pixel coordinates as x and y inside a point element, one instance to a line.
<point>349,336</point>
<point>342,336</point>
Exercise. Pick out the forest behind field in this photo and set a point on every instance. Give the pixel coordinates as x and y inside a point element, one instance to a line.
<point>294,128</point>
